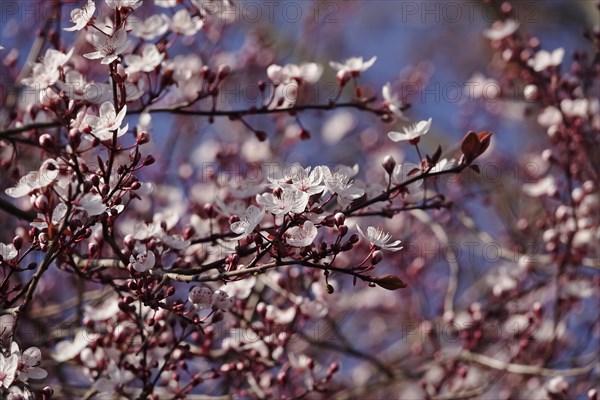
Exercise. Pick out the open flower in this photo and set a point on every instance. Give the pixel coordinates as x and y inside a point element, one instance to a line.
<point>544,59</point>
<point>150,28</point>
<point>501,29</point>
<point>307,72</point>
<point>352,67</point>
<point>184,24</point>
<point>46,175</point>
<point>47,72</point>
<point>28,363</point>
<point>7,252</point>
<point>248,221</point>
<point>301,236</point>
<point>82,16</point>
<point>205,301</point>
<point>145,259</point>
<point>92,204</point>
<point>124,3</point>
<point>392,101</point>
<point>115,380</point>
<point>290,200</point>
<point>108,47</point>
<point>107,122</point>
<point>8,369</point>
<point>411,132</point>
<point>147,62</point>
<point>57,216</point>
<point>339,183</point>
<point>380,239</point>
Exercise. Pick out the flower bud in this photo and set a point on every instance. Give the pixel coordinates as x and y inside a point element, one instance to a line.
<point>389,164</point>
<point>41,203</point>
<point>149,160</point>
<point>46,141</point>
<point>376,257</point>
<point>354,238</point>
<point>143,137</point>
<point>339,219</point>
<point>17,242</point>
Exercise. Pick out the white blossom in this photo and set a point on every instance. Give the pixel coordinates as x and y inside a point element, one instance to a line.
<point>184,24</point>
<point>544,59</point>
<point>146,62</point>
<point>339,183</point>
<point>501,29</point>
<point>108,47</point>
<point>290,200</point>
<point>248,221</point>
<point>29,361</point>
<point>411,132</point>
<point>82,16</point>
<point>205,301</point>
<point>57,216</point>
<point>380,239</point>
<point>301,236</point>
<point>92,204</point>
<point>392,101</point>
<point>543,187</point>
<point>575,108</point>
<point>67,349</point>
<point>150,28</point>
<point>47,72</point>
<point>352,67</point>
<point>144,260</point>
<point>307,72</point>
<point>8,251</point>
<point>108,121</point>
<point>8,369</point>
<point>116,378</point>
<point>124,3</point>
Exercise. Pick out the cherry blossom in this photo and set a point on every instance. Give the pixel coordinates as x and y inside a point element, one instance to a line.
<point>544,59</point>
<point>29,361</point>
<point>379,238</point>
<point>144,260</point>
<point>205,301</point>
<point>47,72</point>
<point>411,132</point>
<point>108,47</point>
<point>248,221</point>
<point>339,183</point>
<point>108,121</point>
<point>8,251</point>
<point>8,369</point>
<point>289,201</point>
<point>501,30</point>
<point>216,249</point>
<point>392,101</point>
<point>116,378</point>
<point>184,24</point>
<point>307,72</point>
<point>150,28</point>
<point>124,3</point>
<point>82,16</point>
<point>301,236</point>
<point>352,67</point>
<point>146,62</point>
<point>92,204</point>
<point>58,214</point>
<point>545,186</point>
